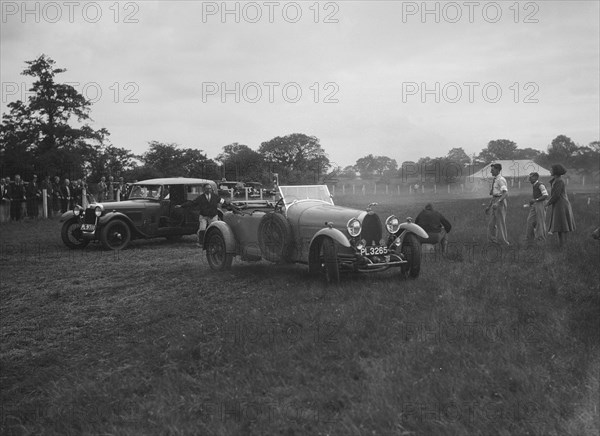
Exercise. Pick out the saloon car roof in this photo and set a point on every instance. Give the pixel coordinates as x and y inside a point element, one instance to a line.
<point>175,181</point>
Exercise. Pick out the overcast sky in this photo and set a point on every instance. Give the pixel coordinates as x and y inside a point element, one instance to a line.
<point>362,76</point>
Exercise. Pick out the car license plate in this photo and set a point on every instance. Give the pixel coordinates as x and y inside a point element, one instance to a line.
<point>88,227</point>
<point>373,250</point>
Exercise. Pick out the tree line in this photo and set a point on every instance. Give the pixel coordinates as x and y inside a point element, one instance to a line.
<point>49,134</point>
<point>562,149</point>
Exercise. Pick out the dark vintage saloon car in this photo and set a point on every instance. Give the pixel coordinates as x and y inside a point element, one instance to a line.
<point>305,226</point>
<point>153,209</point>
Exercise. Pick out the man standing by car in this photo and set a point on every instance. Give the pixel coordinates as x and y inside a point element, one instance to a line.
<point>436,226</point>
<point>207,203</point>
<point>498,205</point>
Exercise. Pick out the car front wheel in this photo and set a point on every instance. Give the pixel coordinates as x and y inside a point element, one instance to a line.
<point>411,249</point>
<point>323,260</point>
<point>71,234</point>
<point>216,252</point>
<point>115,235</point>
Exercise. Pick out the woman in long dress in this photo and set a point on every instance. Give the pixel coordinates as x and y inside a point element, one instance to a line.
<point>561,215</point>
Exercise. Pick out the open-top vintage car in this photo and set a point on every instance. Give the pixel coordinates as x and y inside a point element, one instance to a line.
<point>305,226</point>
<point>153,209</point>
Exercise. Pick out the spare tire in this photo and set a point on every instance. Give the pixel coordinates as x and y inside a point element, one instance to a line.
<point>275,237</point>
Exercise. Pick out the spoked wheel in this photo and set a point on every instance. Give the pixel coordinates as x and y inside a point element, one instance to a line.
<point>116,235</point>
<point>323,260</point>
<point>216,252</point>
<point>411,249</point>
<point>275,237</point>
<point>71,234</point>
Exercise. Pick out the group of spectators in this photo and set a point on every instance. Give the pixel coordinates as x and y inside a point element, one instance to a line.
<point>549,212</point>
<point>20,199</point>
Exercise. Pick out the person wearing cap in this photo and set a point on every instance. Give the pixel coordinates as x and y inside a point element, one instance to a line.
<point>561,215</point>
<point>498,206</point>
<point>536,220</point>
<point>436,226</point>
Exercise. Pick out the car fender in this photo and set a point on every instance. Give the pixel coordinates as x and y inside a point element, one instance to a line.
<point>67,216</point>
<point>227,233</point>
<point>334,234</point>
<point>414,228</point>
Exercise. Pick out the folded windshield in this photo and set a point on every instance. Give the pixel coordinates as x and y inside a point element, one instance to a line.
<point>310,192</point>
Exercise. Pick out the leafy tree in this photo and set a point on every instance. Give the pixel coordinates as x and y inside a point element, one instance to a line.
<point>298,158</point>
<point>459,156</point>
<point>111,161</point>
<point>43,126</point>
<point>168,160</point>
<point>498,149</point>
<point>369,165</point>
<point>526,153</point>
<point>348,172</point>
<point>244,163</point>
<point>561,149</point>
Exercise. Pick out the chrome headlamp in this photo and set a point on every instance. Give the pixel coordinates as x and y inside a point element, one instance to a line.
<point>392,224</point>
<point>98,210</point>
<point>354,227</point>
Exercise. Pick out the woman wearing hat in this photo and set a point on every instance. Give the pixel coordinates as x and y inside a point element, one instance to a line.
<point>561,214</point>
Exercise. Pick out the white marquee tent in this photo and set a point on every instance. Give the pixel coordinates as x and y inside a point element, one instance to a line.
<point>513,169</point>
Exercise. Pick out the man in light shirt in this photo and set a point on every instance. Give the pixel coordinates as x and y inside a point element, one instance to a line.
<point>536,220</point>
<point>497,206</point>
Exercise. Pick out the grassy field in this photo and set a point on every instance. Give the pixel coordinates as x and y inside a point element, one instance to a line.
<point>150,341</point>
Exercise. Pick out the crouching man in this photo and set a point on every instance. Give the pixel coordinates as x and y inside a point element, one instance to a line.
<point>436,226</point>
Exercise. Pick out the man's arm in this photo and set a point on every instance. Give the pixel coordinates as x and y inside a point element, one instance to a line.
<point>503,194</point>
<point>542,197</point>
<point>445,223</point>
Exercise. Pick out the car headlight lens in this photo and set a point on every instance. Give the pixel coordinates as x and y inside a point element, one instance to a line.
<point>354,227</point>
<point>392,224</point>
<point>98,211</point>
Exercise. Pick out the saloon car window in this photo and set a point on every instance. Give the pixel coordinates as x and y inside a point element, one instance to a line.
<point>150,192</point>
<point>299,193</point>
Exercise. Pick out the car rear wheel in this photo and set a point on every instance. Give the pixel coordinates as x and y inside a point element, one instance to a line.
<point>411,249</point>
<point>275,237</point>
<point>216,252</point>
<point>115,235</point>
<point>71,234</point>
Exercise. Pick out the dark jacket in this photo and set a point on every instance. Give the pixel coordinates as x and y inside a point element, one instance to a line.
<point>17,191</point>
<point>432,221</point>
<point>206,208</point>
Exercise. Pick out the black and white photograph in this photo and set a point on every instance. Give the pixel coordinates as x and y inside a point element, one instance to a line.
<point>300,217</point>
